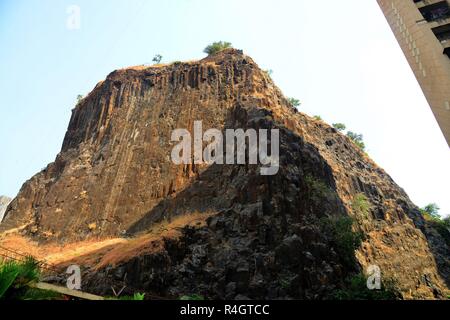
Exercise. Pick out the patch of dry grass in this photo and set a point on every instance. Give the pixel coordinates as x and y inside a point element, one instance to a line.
<point>152,241</point>
<point>99,253</point>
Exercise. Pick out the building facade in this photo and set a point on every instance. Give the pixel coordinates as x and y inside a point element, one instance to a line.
<point>422,29</point>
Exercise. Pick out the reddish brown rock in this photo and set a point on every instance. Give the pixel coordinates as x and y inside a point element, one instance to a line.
<point>114,177</point>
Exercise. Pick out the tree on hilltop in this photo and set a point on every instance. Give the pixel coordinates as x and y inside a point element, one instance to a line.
<point>217,47</point>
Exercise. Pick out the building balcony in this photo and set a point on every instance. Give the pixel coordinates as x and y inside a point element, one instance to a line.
<point>434,10</point>
<point>423,3</point>
<point>442,32</point>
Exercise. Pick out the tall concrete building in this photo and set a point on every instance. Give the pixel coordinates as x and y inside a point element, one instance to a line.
<point>422,29</point>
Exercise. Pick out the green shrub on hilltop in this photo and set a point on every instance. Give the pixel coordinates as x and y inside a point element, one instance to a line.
<point>217,47</point>
<point>157,59</point>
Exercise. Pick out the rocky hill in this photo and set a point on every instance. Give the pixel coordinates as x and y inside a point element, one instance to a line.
<point>289,235</point>
<point>4,201</point>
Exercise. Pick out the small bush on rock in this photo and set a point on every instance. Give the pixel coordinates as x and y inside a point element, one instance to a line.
<point>217,47</point>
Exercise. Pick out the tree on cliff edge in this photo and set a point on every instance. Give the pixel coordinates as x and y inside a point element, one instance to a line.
<point>216,47</point>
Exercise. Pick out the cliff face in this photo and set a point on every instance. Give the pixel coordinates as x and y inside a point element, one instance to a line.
<point>4,201</point>
<point>115,165</point>
<point>265,236</point>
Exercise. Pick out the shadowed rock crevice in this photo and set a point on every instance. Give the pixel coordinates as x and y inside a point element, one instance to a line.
<point>222,187</point>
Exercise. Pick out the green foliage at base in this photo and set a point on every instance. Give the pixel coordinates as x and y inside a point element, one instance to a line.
<point>135,297</point>
<point>16,277</point>
<point>355,288</point>
<point>39,294</point>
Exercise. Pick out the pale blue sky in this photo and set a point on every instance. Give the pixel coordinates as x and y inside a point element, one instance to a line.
<point>338,57</point>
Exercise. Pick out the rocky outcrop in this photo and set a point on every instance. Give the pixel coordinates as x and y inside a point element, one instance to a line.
<point>4,202</point>
<point>268,235</point>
